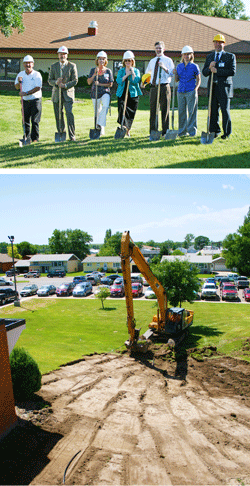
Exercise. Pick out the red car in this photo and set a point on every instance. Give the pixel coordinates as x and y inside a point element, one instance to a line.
<point>229,292</point>
<point>117,290</point>
<point>246,295</point>
<point>137,289</point>
<point>64,290</point>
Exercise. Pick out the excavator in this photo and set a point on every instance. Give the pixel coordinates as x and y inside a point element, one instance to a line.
<point>169,323</point>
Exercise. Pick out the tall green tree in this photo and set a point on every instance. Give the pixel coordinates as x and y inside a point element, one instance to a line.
<point>70,241</point>
<point>236,248</point>
<point>179,279</point>
<point>26,248</point>
<point>189,238</point>
<point>215,8</point>
<point>200,242</point>
<point>11,16</point>
<point>76,5</point>
<point>3,247</point>
<point>112,245</point>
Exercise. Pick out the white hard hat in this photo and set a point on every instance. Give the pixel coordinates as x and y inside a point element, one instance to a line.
<point>63,49</point>
<point>102,54</point>
<point>128,55</point>
<point>28,59</point>
<point>186,49</point>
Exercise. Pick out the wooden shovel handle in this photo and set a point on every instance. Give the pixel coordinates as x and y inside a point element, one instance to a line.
<point>125,104</point>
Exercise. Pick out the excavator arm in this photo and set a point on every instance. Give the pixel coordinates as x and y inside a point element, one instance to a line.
<point>130,251</point>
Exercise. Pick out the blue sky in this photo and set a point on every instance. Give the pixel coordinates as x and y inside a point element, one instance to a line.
<point>151,206</point>
<point>247,7</point>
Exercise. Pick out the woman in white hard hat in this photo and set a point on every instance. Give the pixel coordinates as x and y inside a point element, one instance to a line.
<point>29,82</point>
<point>128,73</point>
<point>189,77</point>
<point>103,78</point>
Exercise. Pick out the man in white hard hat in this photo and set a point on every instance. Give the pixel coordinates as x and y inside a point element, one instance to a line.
<point>63,74</point>
<point>223,65</point>
<point>165,65</point>
<point>29,82</point>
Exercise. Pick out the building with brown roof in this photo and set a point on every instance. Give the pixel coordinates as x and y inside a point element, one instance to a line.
<point>116,32</point>
<point>6,262</point>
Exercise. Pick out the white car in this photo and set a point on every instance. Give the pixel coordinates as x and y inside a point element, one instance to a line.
<point>149,293</point>
<point>209,291</point>
<point>4,282</point>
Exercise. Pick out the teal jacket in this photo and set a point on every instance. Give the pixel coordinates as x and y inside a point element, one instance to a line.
<point>134,84</point>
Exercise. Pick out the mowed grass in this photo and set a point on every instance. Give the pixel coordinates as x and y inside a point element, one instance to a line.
<point>107,153</point>
<point>62,330</point>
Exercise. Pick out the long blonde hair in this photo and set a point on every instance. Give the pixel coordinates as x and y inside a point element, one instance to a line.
<point>191,59</point>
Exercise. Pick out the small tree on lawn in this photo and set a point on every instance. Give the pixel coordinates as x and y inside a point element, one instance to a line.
<point>179,279</point>
<point>102,295</point>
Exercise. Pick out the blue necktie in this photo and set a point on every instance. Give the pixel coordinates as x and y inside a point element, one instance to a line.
<point>217,58</point>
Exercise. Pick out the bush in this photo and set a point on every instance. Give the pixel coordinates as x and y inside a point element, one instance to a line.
<point>26,376</point>
<point>82,81</point>
<point>44,76</point>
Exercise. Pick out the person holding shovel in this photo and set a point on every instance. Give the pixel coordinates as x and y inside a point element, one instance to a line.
<point>63,77</point>
<point>102,77</point>
<point>128,81</point>
<point>29,82</point>
<point>165,65</point>
<point>189,77</point>
<point>223,66</point>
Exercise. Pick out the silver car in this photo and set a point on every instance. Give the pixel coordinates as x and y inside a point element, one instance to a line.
<point>29,290</point>
<point>83,289</point>
<point>46,290</point>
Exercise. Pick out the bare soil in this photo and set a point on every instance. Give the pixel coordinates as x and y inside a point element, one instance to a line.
<point>123,420</point>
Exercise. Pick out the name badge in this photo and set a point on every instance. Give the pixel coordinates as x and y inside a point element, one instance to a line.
<point>221,64</point>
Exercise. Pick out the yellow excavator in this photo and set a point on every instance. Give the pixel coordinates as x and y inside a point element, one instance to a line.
<point>169,323</point>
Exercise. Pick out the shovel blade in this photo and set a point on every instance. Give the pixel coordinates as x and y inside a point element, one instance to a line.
<point>154,135</point>
<point>94,133</point>
<point>207,138</point>
<point>24,141</point>
<point>171,134</point>
<point>60,137</point>
<point>120,133</point>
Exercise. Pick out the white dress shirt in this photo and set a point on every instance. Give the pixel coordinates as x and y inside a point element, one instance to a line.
<point>165,77</point>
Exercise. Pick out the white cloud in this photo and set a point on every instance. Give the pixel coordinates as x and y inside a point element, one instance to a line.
<point>228,186</point>
<point>203,209</point>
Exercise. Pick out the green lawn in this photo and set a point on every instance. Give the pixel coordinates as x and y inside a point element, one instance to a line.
<point>134,153</point>
<point>62,330</point>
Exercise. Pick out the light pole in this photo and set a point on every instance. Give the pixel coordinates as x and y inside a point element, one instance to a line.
<point>16,301</point>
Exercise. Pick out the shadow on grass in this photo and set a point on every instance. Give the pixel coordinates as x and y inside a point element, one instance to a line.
<point>38,154</point>
<point>108,309</point>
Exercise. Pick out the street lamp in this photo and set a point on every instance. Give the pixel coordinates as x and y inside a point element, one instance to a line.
<point>16,301</point>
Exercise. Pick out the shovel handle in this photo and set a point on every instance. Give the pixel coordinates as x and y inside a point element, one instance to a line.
<point>210,101</point>
<point>158,100</point>
<point>173,96</point>
<point>96,93</point>
<point>125,104</point>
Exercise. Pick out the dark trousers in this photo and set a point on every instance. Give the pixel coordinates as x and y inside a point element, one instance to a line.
<point>165,98</point>
<point>69,115</point>
<point>32,113</point>
<point>221,101</point>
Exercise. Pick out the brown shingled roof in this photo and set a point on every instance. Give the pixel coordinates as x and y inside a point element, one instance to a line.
<point>119,31</point>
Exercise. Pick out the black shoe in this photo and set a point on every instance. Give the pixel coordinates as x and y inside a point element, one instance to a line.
<point>224,137</point>
<point>216,134</point>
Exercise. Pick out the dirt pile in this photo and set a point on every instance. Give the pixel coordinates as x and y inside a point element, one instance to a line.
<point>147,420</point>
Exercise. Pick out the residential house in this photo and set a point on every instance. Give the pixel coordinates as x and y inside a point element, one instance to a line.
<point>149,252</point>
<point>102,263</point>
<point>86,33</point>
<point>204,263</point>
<point>219,265</point>
<point>44,263</point>
<point>6,262</point>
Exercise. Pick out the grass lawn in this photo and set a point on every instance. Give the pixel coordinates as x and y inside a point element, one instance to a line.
<point>134,153</point>
<point>59,331</point>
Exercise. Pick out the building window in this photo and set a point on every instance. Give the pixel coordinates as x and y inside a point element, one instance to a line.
<point>116,265</point>
<point>9,68</point>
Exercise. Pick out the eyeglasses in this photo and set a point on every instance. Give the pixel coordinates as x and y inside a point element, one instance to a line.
<point>128,60</point>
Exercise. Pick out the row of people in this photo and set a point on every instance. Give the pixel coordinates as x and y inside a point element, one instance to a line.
<point>63,78</point>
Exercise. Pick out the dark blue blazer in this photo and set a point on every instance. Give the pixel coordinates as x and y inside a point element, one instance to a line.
<point>224,74</point>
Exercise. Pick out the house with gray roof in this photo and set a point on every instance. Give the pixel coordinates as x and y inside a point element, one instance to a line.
<point>204,263</point>
<point>44,263</point>
<point>103,263</point>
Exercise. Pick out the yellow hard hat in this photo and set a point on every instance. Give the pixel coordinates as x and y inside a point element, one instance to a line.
<point>219,38</point>
<point>146,78</point>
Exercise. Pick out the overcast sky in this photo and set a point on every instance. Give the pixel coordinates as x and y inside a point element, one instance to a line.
<point>157,207</point>
<point>247,7</point>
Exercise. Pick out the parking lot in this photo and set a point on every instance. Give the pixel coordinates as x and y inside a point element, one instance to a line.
<point>57,281</point>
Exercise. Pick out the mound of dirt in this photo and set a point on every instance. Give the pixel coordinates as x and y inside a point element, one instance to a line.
<point>162,418</point>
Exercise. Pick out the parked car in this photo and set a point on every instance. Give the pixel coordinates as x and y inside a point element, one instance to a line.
<point>56,273</point>
<point>117,290</point>
<point>210,280</point>
<point>7,295</point>
<point>149,293</point>
<point>79,279</point>
<point>92,279</point>
<point>137,289</point>
<point>82,289</point>
<point>106,281</point>
<point>209,291</point>
<point>226,280</point>
<point>46,290</point>
<point>229,292</point>
<point>233,275</point>
<point>136,278</point>
<point>246,294</point>
<point>145,282</point>
<point>242,283</point>
<point>113,276</point>
<point>35,274</point>
<point>4,282</point>
<point>119,280</point>
<point>64,290</point>
<point>10,273</point>
<point>29,290</point>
